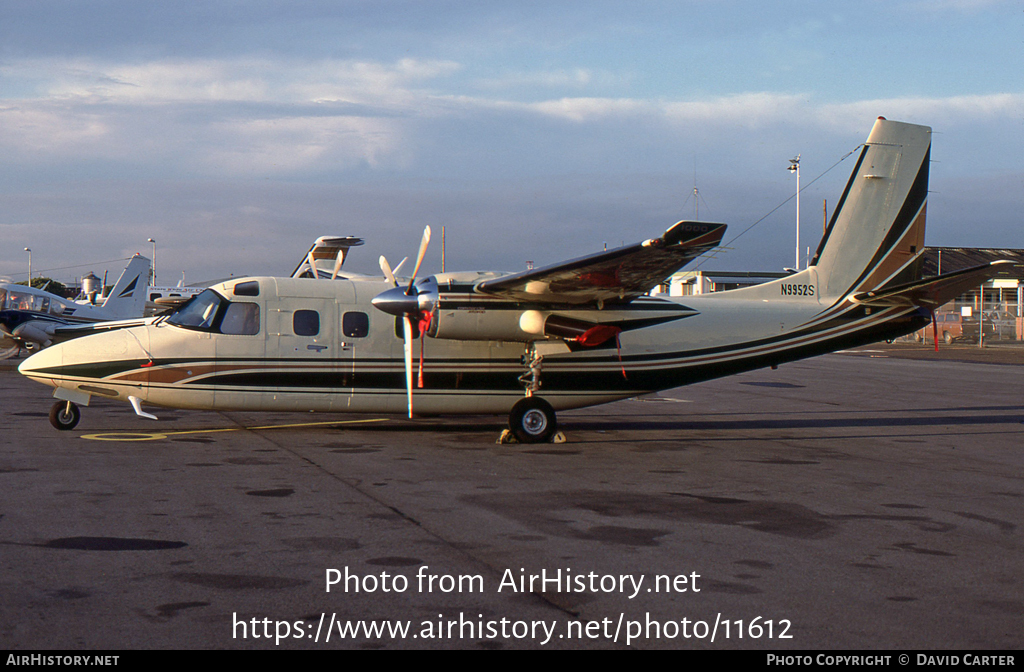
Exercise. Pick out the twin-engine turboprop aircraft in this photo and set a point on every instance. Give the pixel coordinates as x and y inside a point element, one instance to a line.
<point>528,344</point>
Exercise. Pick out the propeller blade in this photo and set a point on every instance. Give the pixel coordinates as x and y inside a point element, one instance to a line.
<point>419,257</point>
<point>407,326</point>
<point>386,269</point>
<point>396,269</point>
<point>338,261</point>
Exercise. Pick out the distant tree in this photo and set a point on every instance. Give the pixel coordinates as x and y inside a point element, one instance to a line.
<point>49,285</point>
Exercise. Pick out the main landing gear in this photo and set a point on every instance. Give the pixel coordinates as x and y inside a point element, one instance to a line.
<point>532,420</point>
<point>64,415</point>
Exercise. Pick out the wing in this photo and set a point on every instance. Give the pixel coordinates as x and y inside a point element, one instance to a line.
<point>933,292</point>
<point>620,275</point>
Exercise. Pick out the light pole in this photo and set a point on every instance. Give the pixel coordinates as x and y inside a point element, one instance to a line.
<point>794,167</point>
<point>151,240</point>
<point>29,250</point>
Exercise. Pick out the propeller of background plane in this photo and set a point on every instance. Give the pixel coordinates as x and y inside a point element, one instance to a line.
<point>9,345</point>
<point>407,303</point>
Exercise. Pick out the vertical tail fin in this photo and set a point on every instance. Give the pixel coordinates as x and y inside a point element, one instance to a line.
<point>876,235</point>
<point>128,297</point>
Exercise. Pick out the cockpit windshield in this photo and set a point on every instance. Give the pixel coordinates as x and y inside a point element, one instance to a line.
<point>198,313</point>
<point>21,300</point>
<point>209,311</point>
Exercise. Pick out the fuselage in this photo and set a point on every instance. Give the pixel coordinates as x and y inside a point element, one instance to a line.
<point>314,345</point>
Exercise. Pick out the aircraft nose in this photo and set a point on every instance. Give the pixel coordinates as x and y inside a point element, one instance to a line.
<point>94,356</point>
<point>45,363</point>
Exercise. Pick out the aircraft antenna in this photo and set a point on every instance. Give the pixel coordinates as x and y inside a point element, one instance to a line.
<point>773,210</point>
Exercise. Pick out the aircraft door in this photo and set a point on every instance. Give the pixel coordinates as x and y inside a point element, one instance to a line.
<point>309,367</point>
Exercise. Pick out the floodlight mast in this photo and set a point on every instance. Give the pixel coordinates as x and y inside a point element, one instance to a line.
<point>794,167</point>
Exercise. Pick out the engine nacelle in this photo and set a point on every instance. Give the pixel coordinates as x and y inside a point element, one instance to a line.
<point>480,324</point>
<point>30,332</point>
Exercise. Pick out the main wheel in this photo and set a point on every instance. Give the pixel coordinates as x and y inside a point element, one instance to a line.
<point>947,337</point>
<point>532,420</point>
<point>64,415</point>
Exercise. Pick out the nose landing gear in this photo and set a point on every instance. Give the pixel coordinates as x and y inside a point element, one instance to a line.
<point>64,415</point>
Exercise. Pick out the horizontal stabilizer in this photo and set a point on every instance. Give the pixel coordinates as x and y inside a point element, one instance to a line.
<point>330,249</point>
<point>933,292</point>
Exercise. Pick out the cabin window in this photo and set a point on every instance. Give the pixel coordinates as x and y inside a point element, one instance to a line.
<point>355,324</point>
<point>251,288</point>
<point>306,323</point>
<point>241,318</point>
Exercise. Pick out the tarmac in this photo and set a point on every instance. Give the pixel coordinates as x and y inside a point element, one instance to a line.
<point>870,499</point>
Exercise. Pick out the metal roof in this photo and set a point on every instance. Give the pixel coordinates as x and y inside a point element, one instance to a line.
<point>959,258</point>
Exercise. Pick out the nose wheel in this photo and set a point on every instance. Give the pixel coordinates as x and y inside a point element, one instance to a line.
<point>532,420</point>
<point>64,415</point>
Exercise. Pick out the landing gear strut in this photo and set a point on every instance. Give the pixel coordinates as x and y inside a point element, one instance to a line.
<point>534,363</point>
<point>532,420</point>
<point>64,415</point>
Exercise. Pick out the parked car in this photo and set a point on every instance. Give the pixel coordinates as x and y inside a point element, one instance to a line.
<point>953,326</point>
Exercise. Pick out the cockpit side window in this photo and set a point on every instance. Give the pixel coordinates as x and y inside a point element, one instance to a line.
<point>241,318</point>
<point>3,298</point>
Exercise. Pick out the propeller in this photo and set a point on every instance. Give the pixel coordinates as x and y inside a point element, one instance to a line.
<point>407,303</point>
<point>389,273</point>
<point>9,345</point>
<point>385,268</point>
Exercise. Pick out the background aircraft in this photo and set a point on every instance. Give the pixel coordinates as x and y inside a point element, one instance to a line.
<point>33,318</point>
<point>574,334</point>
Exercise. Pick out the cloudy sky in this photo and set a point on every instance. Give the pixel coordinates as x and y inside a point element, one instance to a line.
<point>234,133</point>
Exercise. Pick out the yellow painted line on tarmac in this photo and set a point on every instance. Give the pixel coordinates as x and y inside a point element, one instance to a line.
<point>155,436</point>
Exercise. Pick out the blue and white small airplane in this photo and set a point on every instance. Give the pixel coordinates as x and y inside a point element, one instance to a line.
<point>32,318</point>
